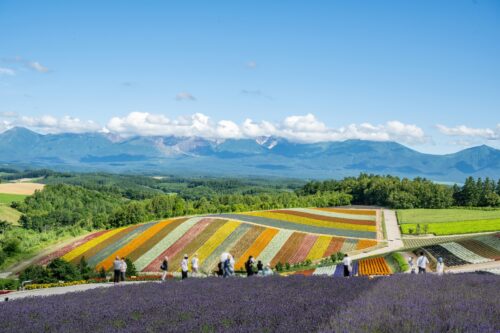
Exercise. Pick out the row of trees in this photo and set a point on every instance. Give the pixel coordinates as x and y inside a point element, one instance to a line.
<point>395,192</point>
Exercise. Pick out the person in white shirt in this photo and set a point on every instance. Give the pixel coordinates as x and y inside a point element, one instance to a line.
<point>123,269</point>
<point>116,269</point>
<point>194,263</point>
<point>422,263</point>
<point>347,262</point>
<point>268,271</point>
<point>231,263</point>
<point>411,263</point>
<point>184,267</point>
<point>440,266</point>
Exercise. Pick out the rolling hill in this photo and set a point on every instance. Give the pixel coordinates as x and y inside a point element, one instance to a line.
<point>286,236</point>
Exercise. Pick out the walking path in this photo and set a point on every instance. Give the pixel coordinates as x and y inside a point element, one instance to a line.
<point>394,241</point>
<point>61,290</point>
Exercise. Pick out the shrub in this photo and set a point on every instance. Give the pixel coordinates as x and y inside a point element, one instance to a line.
<point>401,260</point>
<point>62,270</point>
<point>131,270</point>
<point>36,274</point>
<point>9,284</point>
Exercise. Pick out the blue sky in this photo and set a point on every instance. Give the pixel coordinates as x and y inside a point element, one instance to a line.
<point>424,73</point>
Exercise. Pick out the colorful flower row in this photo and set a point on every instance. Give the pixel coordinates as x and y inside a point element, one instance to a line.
<point>373,266</point>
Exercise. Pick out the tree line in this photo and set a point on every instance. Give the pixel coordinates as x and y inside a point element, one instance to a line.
<point>400,193</point>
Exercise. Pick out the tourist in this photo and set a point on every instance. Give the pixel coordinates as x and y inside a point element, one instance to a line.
<point>411,263</point>
<point>123,269</point>
<point>268,271</point>
<point>260,268</point>
<point>231,264</point>
<point>184,267</point>
<point>116,268</point>
<point>440,266</point>
<point>220,269</point>
<point>164,268</point>
<point>347,262</point>
<point>422,262</point>
<point>249,266</point>
<point>194,263</point>
<point>227,267</point>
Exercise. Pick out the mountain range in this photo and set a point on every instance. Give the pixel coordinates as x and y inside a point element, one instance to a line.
<point>267,156</point>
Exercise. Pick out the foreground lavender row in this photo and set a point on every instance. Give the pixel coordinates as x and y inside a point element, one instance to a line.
<point>458,303</point>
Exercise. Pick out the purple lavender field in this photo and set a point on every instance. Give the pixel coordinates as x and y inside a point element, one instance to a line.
<point>404,303</point>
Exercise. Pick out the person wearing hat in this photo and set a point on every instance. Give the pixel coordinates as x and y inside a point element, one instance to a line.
<point>184,267</point>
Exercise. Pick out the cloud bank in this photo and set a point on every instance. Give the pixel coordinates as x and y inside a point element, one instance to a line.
<point>464,131</point>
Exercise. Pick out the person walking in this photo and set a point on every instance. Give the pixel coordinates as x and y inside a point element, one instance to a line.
<point>411,263</point>
<point>123,269</point>
<point>260,268</point>
<point>164,268</point>
<point>231,264</point>
<point>347,262</point>
<point>194,264</point>
<point>227,267</point>
<point>249,266</point>
<point>116,269</point>
<point>440,267</point>
<point>268,271</point>
<point>184,267</point>
<point>422,263</point>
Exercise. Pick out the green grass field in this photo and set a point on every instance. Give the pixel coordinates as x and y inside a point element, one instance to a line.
<point>6,198</point>
<point>9,214</point>
<point>445,215</point>
<point>453,228</point>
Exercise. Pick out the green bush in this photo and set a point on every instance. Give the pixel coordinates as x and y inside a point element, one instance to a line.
<point>61,270</point>
<point>9,284</point>
<point>131,270</point>
<point>36,274</point>
<point>401,260</point>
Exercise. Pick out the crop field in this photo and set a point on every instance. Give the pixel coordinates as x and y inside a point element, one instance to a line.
<point>7,198</point>
<point>412,243</point>
<point>470,251</point>
<point>20,188</point>
<point>209,237</point>
<point>445,215</point>
<point>335,222</point>
<point>9,214</point>
<point>448,221</point>
<point>453,228</point>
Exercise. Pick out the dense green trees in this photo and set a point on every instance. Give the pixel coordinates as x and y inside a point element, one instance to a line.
<point>394,192</point>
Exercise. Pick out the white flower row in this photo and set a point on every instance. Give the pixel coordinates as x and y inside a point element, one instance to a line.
<point>274,245</point>
<point>464,254</point>
<point>327,270</point>
<point>491,241</point>
<point>336,214</point>
<point>165,243</point>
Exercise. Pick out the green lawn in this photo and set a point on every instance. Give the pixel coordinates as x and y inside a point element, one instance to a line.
<point>445,215</point>
<point>9,214</point>
<point>6,198</point>
<point>458,227</point>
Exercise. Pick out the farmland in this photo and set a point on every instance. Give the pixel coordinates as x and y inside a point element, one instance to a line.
<point>8,198</point>
<point>448,221</point>
<point>20,188</point>
<point>210,236</point>
<point>9,214</point>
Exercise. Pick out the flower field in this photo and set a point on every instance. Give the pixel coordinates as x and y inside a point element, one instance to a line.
<point>210,236</point>
<point>452,303</point>
<point>470,251</point>
<point>334,222</point>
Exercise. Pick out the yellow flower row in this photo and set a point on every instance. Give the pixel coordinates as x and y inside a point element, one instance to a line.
<point>215,240</point>
<point>52,285</point>
<point>313,222</point>
<point>90,244</point>
<point>319,247</point>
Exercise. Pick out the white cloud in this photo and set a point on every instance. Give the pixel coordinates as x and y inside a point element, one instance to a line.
<point>8,114</point>
<point>66,124</point>
<point>251,64</point>
<point>5,125</point>
<point>185,96</point>
<point>305,128</point>
<point>38,67</point>
<point>464,131</point>
<point>7,71</point>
